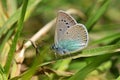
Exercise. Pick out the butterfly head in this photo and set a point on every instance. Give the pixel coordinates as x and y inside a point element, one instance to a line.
<point>59,50</point>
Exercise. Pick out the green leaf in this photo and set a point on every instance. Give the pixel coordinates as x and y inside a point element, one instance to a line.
<point>107,39</point>
<point>7,36</point>
<point>14,42</point>
<point>4,4</point>
<point>104,52</point>
<point>10,22</point>
<point>96,51</point>
<point>95,62</point>
<point>31,71</point>
<point>16,16</point>
<point>2,74</point>
<point>118,78</point>
<point>93,19</point>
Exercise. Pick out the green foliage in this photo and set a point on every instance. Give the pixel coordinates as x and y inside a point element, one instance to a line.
<point>2,74</point>
<point>93,19</point>
<point>118,78</point>
<point>28,16</point>
<point>14,42</point>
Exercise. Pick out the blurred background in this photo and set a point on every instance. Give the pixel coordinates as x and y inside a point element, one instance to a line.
<point>101,17</point>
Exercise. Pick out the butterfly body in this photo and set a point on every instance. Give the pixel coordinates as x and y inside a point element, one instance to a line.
<point>70,36</point>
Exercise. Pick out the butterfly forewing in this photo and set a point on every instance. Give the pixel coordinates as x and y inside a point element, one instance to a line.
<point>64,21</point>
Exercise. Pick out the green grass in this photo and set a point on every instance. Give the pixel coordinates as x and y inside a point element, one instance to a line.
<point>20,20</point>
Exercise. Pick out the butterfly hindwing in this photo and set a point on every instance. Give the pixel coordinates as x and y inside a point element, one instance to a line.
<point>75,38</point>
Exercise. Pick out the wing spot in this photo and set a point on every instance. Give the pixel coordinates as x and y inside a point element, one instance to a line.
<point>66,23</point>
<point>85,36</point>
<point>60,29</point>
<point>68,26</point>
<point>67,33</point>
<point>64,20</point>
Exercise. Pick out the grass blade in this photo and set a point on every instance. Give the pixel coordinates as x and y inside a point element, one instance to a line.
<point>96,61</point>
<point>14,42</point>
<point>101,51</point>
<point>6,39</point>
<point>16,16</point>
<point>106,39</point>
<point>93,19</point>
<point>2,74</point>
<point>118,78</point>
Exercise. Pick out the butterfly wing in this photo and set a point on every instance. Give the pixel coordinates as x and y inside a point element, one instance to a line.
<point>75,38</point>
<point>64,21</point>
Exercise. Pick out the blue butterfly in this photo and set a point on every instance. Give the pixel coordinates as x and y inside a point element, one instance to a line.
<point>70,36</point>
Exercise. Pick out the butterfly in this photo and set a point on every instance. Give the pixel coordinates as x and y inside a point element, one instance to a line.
<point>70,36</point>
